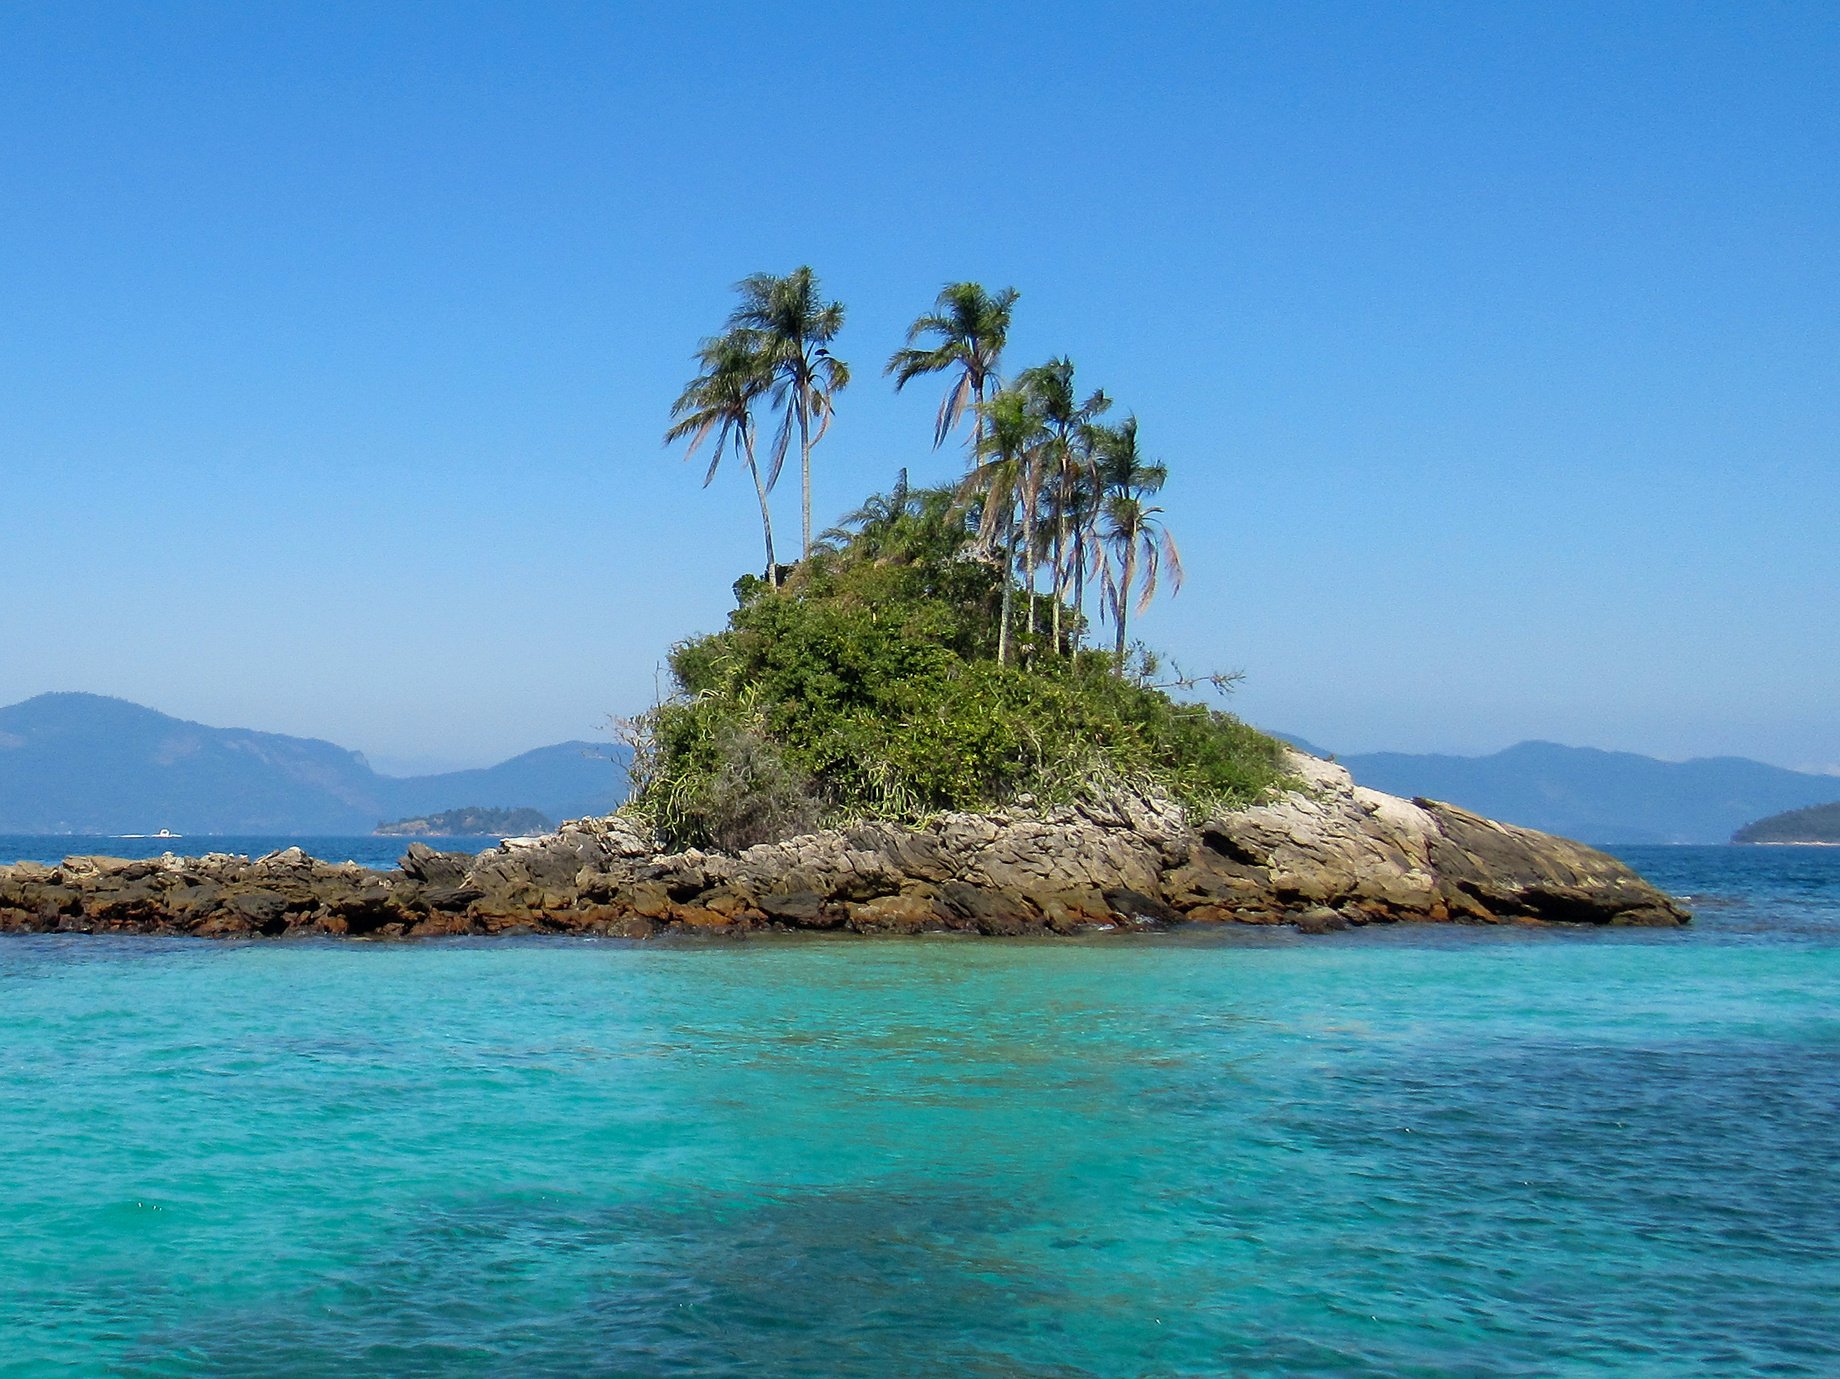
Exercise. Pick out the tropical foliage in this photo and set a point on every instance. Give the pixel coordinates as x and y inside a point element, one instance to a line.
<point>870,685</point>
<point>719,404</point>
<point>788,325</point>
<point>1061,500</point>
<point>929,652</point>
<point>966,331</point>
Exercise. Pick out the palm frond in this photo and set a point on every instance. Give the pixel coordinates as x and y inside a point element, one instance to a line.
<point>782,442</point>
<point>968,327</point>
<point>952,407</point>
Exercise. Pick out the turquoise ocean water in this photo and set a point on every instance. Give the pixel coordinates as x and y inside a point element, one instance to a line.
<point>1413,1152</point>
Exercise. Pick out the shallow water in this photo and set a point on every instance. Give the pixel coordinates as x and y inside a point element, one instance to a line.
<point>1418,1152</point>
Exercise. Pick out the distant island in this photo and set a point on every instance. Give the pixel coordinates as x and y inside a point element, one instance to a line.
<point>474,821</point>
<point>1818,823</point>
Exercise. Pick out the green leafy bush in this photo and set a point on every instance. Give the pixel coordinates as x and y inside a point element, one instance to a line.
<point>868,686</point>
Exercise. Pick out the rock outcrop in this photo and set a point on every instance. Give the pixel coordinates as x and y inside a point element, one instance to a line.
<point>1326,856</point>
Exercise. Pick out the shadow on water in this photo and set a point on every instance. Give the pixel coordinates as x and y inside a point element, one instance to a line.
<point>879,1282</point>
<point>1549,1209</point>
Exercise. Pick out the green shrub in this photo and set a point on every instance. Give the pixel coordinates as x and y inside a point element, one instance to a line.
<point>868,686</point>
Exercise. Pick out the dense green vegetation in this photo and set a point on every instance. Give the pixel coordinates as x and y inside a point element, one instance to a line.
<point>869,686</point>
<point>1819,823</point>
<point>1061,496</point>
<point>930,653</point>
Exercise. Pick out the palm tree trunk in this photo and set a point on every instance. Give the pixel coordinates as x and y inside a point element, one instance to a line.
<point>1029,503</point>
<point>977,423</point>
<point>1056,569</point>
<point>1063,510</point>
<point>1124,600</point>
<point>1003,606</point>
<point>1028,569</point>
<point>766,515</point>
<point>805,465</point>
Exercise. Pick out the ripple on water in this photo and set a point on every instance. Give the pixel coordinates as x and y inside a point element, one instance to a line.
<point>1580,1156</point>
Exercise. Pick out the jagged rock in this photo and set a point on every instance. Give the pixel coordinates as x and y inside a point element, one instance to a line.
<point>792,907</point>
<point>903,914</point>
<point>425,864</point>
<point>1325,856</point>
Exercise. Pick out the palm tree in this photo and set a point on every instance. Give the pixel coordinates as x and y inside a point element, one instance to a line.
<point>1132,539</point>
<point>969,328</point>
<point>1064,460</point>
<point>1081,516</point>
<point>719,403</point>
<point>1003,484</point>
<point>791,325</point>
<point>871,525</point>
<point>906,525</point>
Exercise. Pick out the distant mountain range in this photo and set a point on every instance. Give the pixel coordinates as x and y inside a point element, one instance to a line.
<point>1596,796</point>
<point>82,763</point>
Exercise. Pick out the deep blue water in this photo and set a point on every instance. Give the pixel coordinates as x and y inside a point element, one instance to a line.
<point>1420,1151</point>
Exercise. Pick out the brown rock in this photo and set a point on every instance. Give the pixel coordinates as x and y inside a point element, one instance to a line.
<point>904,914</point>
<point>1320,919</point>
<point>1327,855</point>
<point>794,907</point>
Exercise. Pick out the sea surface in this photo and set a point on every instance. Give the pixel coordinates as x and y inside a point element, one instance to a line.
<point>365,849</point>
<point>1420,1151</point>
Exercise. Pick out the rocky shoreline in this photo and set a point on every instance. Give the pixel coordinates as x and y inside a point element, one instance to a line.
<point>1328,856</point>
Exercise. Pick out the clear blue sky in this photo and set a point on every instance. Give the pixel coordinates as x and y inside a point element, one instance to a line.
<point>1493,348</point>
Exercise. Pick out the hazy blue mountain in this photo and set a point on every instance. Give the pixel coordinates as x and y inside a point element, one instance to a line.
<point>82,763</point>
<point>1601,797</point>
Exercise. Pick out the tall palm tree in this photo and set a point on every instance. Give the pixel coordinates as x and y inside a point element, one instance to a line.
<point>1133,541</point>
<point>719,404</point>
<point>1001,483</point>
<point>1082,519</point>
<point>968,328</point>
<point>1064,459</point>
<point>792,326</point>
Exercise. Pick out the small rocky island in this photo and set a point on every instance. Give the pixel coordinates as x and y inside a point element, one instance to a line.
<point>882,742</point>
<point>1816,826</point>
<point>473,821</point>
<point>906,732</point>
<point>1325,855</point>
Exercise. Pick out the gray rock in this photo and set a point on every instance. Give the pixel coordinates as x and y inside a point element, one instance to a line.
<point>1325,856</point>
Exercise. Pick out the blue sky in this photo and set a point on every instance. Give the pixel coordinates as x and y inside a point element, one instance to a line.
<point>1493,348</point>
